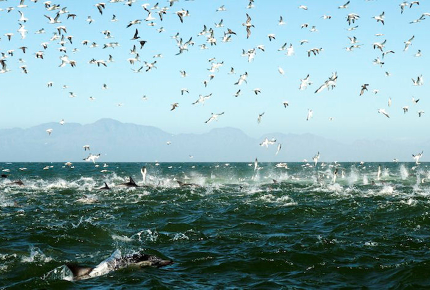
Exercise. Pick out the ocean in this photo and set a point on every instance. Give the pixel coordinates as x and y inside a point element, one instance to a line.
<point>235,227</point>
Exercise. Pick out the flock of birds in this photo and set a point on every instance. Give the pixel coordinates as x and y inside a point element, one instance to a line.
<point>154,15</point>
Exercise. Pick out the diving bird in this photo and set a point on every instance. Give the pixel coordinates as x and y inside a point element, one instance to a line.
<point>278,149</point>
<point>259,117</point>
<point>316,158</point>
<point>417,157</point>
<point>310,114</point>
<point>92,158</point>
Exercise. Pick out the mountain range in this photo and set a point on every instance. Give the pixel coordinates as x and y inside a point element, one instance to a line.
<point>125,142</point>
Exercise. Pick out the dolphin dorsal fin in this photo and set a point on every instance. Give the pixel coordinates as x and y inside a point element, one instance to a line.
<point>131,180</point>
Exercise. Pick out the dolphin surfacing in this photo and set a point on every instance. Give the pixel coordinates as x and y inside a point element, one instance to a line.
<point>130,183</point>
<point>116,262</point>
<point>105,187</point>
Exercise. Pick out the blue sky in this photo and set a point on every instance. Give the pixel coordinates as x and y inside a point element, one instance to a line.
<point>26,100</point>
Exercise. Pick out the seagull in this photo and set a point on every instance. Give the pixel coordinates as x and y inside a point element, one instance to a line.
<point>22,18</point>
<point>92,158</point>
<point>363,88</point>
<point>285,103</point>
<point>268,142</point>
<point>259,117</point>
<point>419,81</point>
<point>248,25</point>
<point>383,112</point>
<point>389,102</point>
<point>330,83</point>
<point>213,117</point>
<point>417,157</point>
<point>380,18</point>
<point>402,6</point>
<point>134,22</point>
<point>281,21</point>
<point>408,43</point>
<point>290,50</point>
<point>49,131</point>
<point>281,71</point>
<point>344,6</point>
<point>202,99</point>
<point>242,79</point>
<point>315,159</point>
<point>415,100</point>
<point>414,2</point>
<point>405,109</point>
<point>351,18</point>
<point>174,106</point>
<point>53,20</point>
<point>100,7</point>
<point>379,45</point>
<point>237,94</point>
<point>135,35</point>
<point>86,147</point>
<point>315,51</point>
<point>304,83</point>
<point>418,54</point>
<point>278,149</point>
<point>222,8</point>
<point>420,113</point>
<point>310,114</point>
<point>62,122</point>
<point>303,7</point>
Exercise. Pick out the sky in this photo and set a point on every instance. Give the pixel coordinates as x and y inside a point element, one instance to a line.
<point>26,100</point>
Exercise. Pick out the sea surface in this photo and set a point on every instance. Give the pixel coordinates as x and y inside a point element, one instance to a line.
<point>234,228</point>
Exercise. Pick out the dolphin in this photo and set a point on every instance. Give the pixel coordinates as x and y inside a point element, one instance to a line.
<point>116,262</point>
<point>105,187</point>
<point>182,184</point>
<point>17,182</point>
<point>130,183</point>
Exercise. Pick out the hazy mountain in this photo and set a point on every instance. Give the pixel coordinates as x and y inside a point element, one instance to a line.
<point>125,142</point>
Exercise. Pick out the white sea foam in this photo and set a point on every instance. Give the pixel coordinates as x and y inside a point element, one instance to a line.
<point>121,238</point>
<point>36,255</point>
<point>403,172</point>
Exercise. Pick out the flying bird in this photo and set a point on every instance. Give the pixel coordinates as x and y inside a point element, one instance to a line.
<point>383,112</point>
<point>214,117</point>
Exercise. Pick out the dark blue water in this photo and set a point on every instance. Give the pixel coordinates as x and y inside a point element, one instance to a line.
<point>237,229</point>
